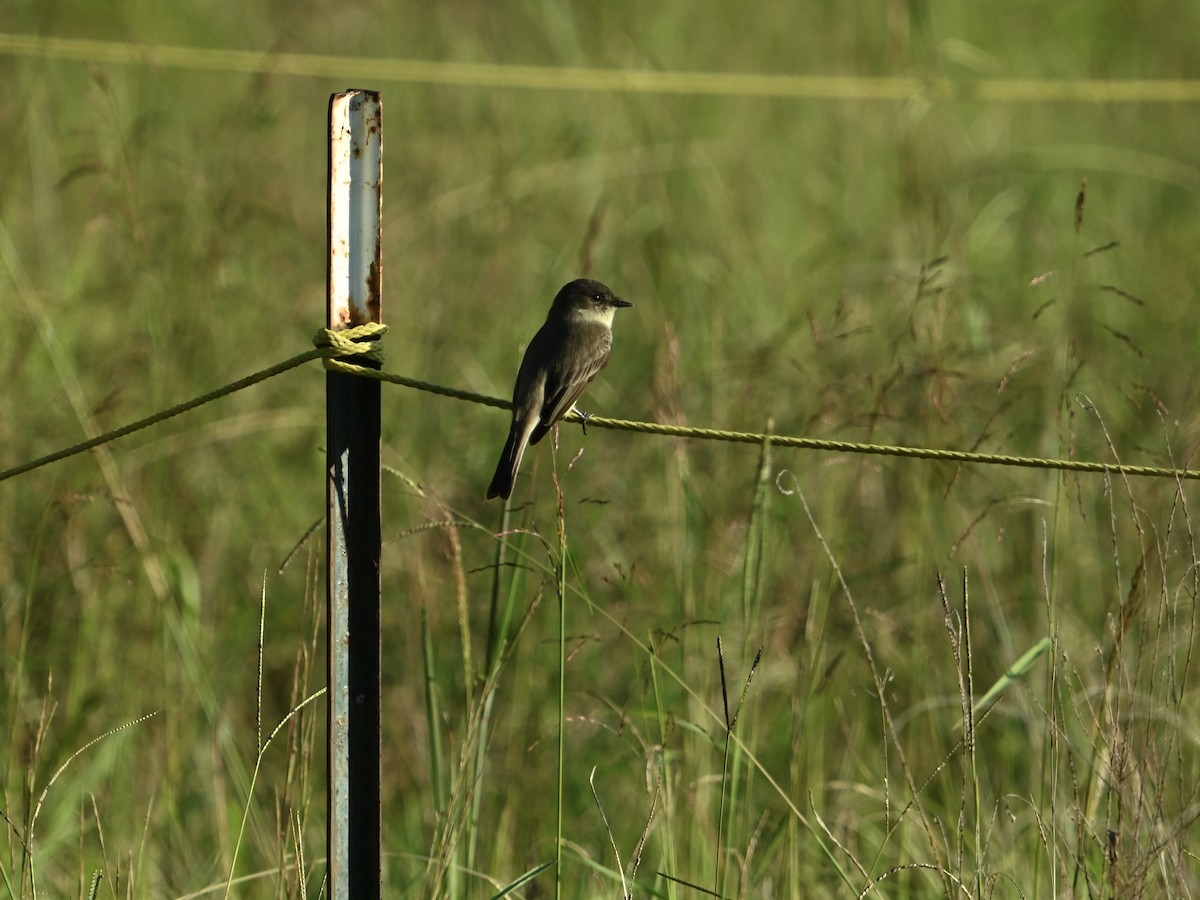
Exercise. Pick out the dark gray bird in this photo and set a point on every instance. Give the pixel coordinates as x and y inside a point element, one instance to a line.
<point>568,351</point>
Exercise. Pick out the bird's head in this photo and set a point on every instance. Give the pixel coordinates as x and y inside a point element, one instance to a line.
<point>588,300</point>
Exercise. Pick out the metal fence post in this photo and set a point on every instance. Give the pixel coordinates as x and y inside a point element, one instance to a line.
<point>352,494</point>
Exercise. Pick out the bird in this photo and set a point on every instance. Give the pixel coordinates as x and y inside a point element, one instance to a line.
<point>569,350</point>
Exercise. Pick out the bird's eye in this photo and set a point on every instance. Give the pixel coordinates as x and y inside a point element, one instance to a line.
<point>597,298</point>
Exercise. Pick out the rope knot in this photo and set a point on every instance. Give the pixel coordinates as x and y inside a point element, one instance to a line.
<point>361,341</point>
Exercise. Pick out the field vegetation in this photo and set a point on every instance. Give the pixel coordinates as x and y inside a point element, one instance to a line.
<point>948,680</point>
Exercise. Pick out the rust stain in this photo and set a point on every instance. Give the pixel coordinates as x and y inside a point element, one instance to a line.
<point>374,292</point>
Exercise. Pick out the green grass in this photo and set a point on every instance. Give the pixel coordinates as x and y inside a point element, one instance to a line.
<point>893,272</point>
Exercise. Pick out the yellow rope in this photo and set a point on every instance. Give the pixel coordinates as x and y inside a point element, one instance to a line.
<point>750,437</point>
<point>362,342</point>
<point>350,341</point>
<point>578,78</point>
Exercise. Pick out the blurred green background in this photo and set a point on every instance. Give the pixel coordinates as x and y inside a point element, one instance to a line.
<point>900,271</point>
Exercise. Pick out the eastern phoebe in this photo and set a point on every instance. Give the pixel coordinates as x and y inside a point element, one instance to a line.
<point>568,351</point>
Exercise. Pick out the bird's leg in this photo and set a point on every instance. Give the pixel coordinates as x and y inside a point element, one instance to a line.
<point>583,416</point>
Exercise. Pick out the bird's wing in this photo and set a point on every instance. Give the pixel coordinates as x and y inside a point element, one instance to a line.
<point>564,387</point>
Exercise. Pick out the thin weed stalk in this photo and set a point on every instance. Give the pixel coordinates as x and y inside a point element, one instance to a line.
<point>560,585</point>
<point>729,781</point>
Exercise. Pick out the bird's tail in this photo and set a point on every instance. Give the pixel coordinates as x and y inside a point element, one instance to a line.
<point>510,461</point>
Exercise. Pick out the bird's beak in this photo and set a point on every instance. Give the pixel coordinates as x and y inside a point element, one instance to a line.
<point>618,302</point>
